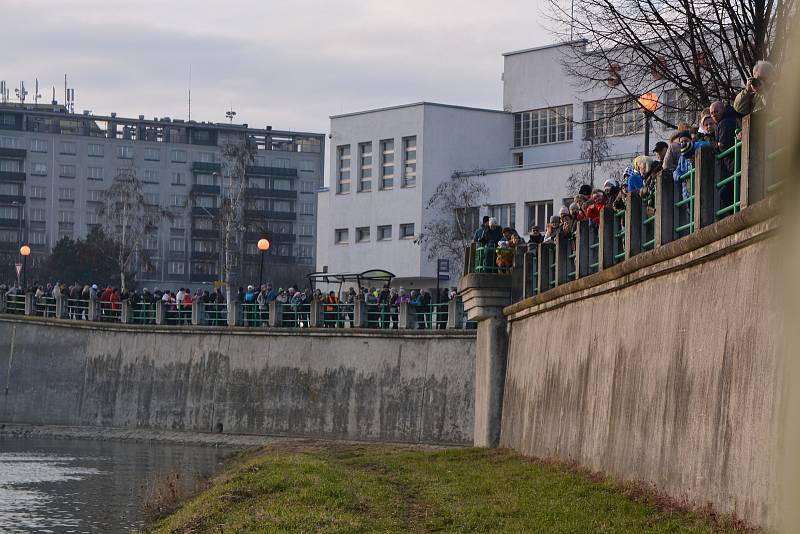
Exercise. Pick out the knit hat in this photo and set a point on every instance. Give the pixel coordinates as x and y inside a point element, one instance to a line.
<point>563,211</point>
<point>585,190</point>
<point>608,183</point>
<point>687,149</point>
<point>555,219</point>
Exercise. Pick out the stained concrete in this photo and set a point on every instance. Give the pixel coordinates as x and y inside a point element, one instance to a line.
<point>672,377</point>
<point>402,387</point>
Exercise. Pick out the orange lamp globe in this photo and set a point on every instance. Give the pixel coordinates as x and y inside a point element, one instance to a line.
<point>649,102</point>
<point>263,245</point>
<point>25,250</point>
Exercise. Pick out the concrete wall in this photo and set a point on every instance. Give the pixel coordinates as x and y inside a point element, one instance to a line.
<point>407,387</point>
<point>670,374</point>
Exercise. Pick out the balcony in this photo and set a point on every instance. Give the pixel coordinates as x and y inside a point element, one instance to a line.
<point>271,171</point>
<point>12,199</point>
<point>13,153</point>
<point>205,212</point>
<point>202,166</point>
<point>9,176</point>
<point>12,223</point>
<point>201,278</point>
<point>205,255</point>
<point>196,232</point>
<point>281,238</point>
<point>281,215</point>
<point>260,192</point>
<point>205,189</point>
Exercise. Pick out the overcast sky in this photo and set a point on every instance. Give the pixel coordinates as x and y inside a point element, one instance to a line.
<point>287,64</point>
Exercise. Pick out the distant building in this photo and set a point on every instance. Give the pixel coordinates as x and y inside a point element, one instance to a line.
<point>54,167</point>
<point>386,163</point>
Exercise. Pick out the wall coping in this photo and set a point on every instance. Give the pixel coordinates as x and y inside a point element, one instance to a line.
<point>241,331</point>
<point>754,223</point>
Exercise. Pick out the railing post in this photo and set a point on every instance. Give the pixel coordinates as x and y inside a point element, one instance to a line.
<point>665,210</point>
<point>408,316</point>
<point>527,279</point>
<point>160,317</point>
<point>455,313</point>
<point>30,304</point>
<point>92,312</point>
<point>197,312</point>
<point>705,193</point>
<point>633,225</point>
<point>582,260</point>
<point>752,184</point>
<point>546,250</point>
<point>234,313</point>
<point>125,315</point>
<point>359,314</point>
<point>562,258</point>
<point>469,258</point>
<point>275,313</point>
<point>606,237</point>
<point>3,302</point>
<point>60,306</point>
<point>518,274</point>
<point>315,318</point>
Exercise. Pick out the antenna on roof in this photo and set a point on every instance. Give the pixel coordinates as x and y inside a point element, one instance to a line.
<point>36,95</point>
<point>21,92</point>
<point>3,92</point>
<point>190,91</point>
<point>230,114</point>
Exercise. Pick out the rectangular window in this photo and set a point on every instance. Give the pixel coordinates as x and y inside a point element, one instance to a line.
<point>304,251</point>
<point>677,107</point>
<point>538,213</point>
<point>307,187</point>
<point>94,195</point>
<point>306,165</point>
<point>10,189</point>
<point>504,213</point>
<point>178,156</point>
<point>9,212</point>
<point>410,161</point>
<point>387,163</point>
<point>66,193</point>
<point>306,230</point>
<point>206,157</point>
<point>281,184</point>
<point>69,148</point>
<point>543,126</point>
<point>204,201</point>
<point>176,267</point>
<point>177,244</point>
<point>96,173</point>
<point>8,142</point>
<point>204,268</point>
<point>38,214</point>
<point>343,170</point>
<point>341,235</point>
<point>66,216</point>
<point>204,245</point>
<point>39,169</point>
<point>613,116</point>
<point>37,238</point>
<point>203,223</point>
<point>150,176</point>
<point>125,152</point>
<point>407,231</point>
<point>281,163</point>
<point>178,178</point>
<point>178,201</point>
<point>151,199</point>
<point>66,171</point>
<point>283,206</point>
<point>96,151</point>
<point>518,159</point>
<point>384,233</point>
<point>150,242</point>
<point>38,191</point>
<point>91,218</point>
<point>39,145</point>
<point>307,208</point>
<point>11,165</point>
<point>362,234</point>
<point>152,154</point>
<point>364,167</point>
<point>205,179</point>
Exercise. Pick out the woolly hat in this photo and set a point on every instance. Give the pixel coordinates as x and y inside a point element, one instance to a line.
<point>555,219</point>
<point>585,190</point>
<point>687,149</point>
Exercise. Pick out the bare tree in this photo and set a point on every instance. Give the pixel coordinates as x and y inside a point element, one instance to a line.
<point>127,218</point>
<point>703,49</point>
<point>595,151</point>
<point>455,204</point>
<point>236,157</point>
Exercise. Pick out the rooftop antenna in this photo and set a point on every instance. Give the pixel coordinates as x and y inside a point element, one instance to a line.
<point>21,92</point>
<point>230,114</point>
<point>36,95</point>
<point>54,102</point>
<point>3,92</point>
<point>190,91</point>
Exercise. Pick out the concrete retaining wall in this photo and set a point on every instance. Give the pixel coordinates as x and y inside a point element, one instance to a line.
<point>388,386</point>
<point>669,375</point>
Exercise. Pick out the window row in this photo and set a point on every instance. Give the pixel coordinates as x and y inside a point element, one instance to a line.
<point>364,233</point>
<point>543,126</point>
<point>386,169</point>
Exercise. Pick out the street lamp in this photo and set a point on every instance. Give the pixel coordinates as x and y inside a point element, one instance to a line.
<point>24,251</point>
<point>263,246</point>
<point>649,104</point>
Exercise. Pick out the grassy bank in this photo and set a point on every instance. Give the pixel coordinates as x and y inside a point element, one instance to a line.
<point>325,487</point>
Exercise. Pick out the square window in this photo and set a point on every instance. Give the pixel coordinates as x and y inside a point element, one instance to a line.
<point>39,145</point>
<point>384,233</point>
<point>341,235</point>
<point>407,231</point>
<point>69,148</point>
<point>152,154</point>
<point>178,156</point>
<point>362,234</point>
<point>96,151</point>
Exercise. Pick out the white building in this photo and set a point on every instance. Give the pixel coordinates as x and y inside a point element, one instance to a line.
<point>386,163</point>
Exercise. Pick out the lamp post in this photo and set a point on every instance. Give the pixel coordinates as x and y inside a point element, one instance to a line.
<point>263,246</point>
<point>648,102</point>
<point>25,251</point>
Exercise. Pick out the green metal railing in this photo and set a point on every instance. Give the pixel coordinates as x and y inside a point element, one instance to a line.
<point>295,315</point>
<point>178,315</point>
<point>551,268</point>
<point>110,311</point>
<point>337,315</point>
<point>491,259</point>
<point>254,314</point>
<point>143,313</point>
<point>619,236</point>
<point>685,206</point>
<point>648,224</point>
<point>533,262</point>
<point>594,249</point>
<point>15,304</point>
<point>78,309</point>
<point>46,306</point>
<point>381,316</point>
<point>572,268</point>
<point>215,314</point>
<point>733,181</point>
<point>430,317</point>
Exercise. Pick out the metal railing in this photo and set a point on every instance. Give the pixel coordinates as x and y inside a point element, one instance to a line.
<point>254,314</point>
<point>684,205</point>
<point>110,311</point>
<point>45,306</point>
<point>492,259</point>
<point>382,316</point>
<point>215,314</point>
<point>15,304</point>
<point>295,315</point>
<point>336,315</point>
<point>730,187</point>
<point>143,313</point>
<point>78,309</point>
<point>649,222</point>
<point>619,236</point>
<point>177,314</point>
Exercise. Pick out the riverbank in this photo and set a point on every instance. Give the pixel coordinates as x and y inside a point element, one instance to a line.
<point>335,487</point>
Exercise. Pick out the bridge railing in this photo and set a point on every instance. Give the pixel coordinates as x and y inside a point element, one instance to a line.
<point>717,186</point>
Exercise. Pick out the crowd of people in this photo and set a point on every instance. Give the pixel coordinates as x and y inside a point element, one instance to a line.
<point>717,128</point>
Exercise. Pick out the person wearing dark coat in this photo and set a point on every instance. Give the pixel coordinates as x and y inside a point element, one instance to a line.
<point>725,137</point>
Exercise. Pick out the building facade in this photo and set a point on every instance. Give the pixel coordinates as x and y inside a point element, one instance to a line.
<point>55,166</point>
<point>524,154</point>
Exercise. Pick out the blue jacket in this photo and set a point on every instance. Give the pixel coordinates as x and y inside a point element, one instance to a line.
<point>635,181</point>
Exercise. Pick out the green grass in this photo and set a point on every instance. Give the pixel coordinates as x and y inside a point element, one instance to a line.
<point>325,487</point>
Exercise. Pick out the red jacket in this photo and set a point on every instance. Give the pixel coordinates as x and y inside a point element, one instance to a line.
<point>594,211</point>
<point>114,299</point>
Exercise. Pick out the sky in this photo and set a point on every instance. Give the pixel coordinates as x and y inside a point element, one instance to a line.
<point>288,64</point>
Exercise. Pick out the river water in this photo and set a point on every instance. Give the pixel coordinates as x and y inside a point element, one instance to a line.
<point>55,485</point>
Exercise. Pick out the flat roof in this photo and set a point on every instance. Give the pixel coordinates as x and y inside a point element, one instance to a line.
<point>545,47</point>
<point>423,103</point>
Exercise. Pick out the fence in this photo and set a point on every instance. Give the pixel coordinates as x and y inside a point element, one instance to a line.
<point>716,186</point>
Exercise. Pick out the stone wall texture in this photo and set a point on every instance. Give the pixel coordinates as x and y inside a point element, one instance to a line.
<point>400,387</point>
<point>671,377</point>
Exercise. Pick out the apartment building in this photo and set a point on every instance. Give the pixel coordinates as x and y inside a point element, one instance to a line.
<point>55,166</point>
<point>524,153</point>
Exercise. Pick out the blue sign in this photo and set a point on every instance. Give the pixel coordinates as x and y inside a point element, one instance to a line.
<point>443,266</point>
<point>444,277</point>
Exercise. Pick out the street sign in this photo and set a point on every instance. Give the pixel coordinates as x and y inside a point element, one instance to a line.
<point>443,266</point>
<point>19,269</point>
<point>444,276</point>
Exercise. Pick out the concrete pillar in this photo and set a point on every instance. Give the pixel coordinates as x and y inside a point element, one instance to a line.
<point>407,316</point>
<point>160,317</point>
<point>92,313</point>
<point>633,225</point>
<point>582,256</point>
<point>665,209</point>
<point>2,302</point>
<point>275,313</point>
<point>234,313</point>
<point>754,140</point>
<point>562,259</point>
<point>606,236</point>
<point>359,314</point>
<point>706,175</point>
<point>30,304</point>
<point>544,256</point>
<point>126,312</point>
<point>315,317</point>
<point>197,313</point>
<point>485,296</point>
<point>455,314</point>
<point>61,307</point>
<point>518,274</point>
